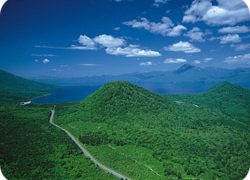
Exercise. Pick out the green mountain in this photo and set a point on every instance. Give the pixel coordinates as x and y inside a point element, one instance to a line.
<point>15,88</point>
<point>232,100</point>
<point>147,136</point>
<point>121,97</point>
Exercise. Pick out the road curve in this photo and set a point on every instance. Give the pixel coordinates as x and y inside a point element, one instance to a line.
<point>85,151</point>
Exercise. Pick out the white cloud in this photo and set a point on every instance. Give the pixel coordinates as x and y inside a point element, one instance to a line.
<point>240,47</point>
<point>177,31</point>
<point>196,11</point>
<point>183,46</point>
<point>224,12</point>
<point>208,59</point>
<point>197,62</point>
<point>240,59</point>
<point>43,55</point>
<point>148,63</point>
<point>174,61</point>
<point>132,51</point>
<point>113,45</point>
<point>165,28</point>
<point>157,3</point>
<point>36,60</point>
<point>72,47</point>
<point>109,41</point>
<point>45,61</point>
<point>230,38</point>
<point>235,29</point>
<point>89,65</point>
<point>196,34</point>
<point>86,42</point>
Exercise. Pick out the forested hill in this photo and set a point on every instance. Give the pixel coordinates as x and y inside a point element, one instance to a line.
<point>15,88</point>
<point>196,136</point>
<point>231,99</point>
<point>122,97</point>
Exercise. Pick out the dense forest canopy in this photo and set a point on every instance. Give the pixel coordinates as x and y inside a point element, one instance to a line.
<point>202,136</point>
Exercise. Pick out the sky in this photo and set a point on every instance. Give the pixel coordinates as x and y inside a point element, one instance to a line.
<point>74,38</point>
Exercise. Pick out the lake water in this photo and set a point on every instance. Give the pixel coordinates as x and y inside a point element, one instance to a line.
<point>78,93</point>
<point>66,94</point>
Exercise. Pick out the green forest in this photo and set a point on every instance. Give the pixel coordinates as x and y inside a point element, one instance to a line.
<point>30,148</point>
<point>202,136</point>
<point>138,133</point>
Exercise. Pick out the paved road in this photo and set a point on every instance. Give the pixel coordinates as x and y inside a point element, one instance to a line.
<point>85,151</point>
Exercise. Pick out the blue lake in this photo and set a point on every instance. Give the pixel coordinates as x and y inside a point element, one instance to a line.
<point>66,94</point>
<point>78,93</point>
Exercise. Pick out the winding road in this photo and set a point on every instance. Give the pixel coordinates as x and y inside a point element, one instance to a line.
<point>85,151</point>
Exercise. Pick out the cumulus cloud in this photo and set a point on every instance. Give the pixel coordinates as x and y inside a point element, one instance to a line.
<point>230,38</point>
<point>45,61</point>
<point>165,28</point>
<point>148,63</point>
<point>196,34</point>
<point>157,3</point>
<point>224,12</point>
<point>176,31</point>
<point>131,51</point>
<point>185,47</point>
<point>240,59</point>
<point>174,61</point>
<point>235,29</point>
<point>86,42</point>
<point>113,46</point>
<point>109,41</point>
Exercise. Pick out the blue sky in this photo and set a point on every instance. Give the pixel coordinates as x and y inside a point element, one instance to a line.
<point>93,37</point>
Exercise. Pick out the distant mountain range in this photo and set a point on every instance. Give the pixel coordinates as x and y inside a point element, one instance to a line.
<point>186,79</point>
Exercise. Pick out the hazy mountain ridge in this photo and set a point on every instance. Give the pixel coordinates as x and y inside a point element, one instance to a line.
<point>186,79</point>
